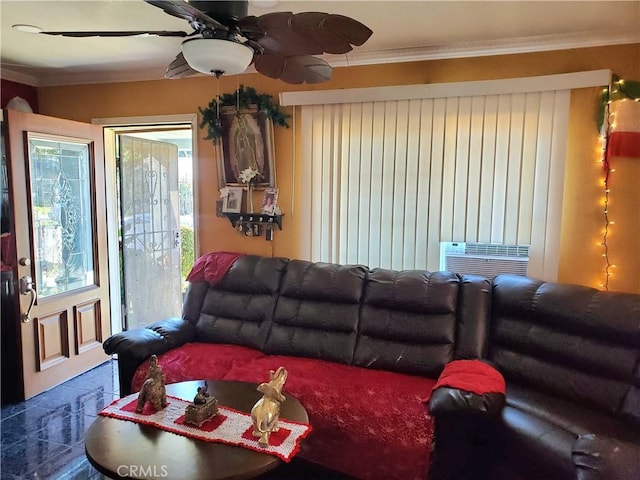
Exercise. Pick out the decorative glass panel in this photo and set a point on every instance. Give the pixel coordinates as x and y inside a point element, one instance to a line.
<point>62,215</point>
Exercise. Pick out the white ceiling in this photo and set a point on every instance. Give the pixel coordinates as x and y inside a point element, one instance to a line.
<point>403,31</point>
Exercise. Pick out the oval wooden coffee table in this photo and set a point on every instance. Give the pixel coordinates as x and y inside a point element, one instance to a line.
<point>123,449</point>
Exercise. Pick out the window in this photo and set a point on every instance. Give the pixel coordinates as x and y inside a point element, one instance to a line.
<point>385,181</point>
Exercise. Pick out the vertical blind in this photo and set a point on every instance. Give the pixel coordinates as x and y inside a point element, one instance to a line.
<point>386,181</point>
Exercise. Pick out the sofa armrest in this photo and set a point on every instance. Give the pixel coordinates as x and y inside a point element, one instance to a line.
<point>156,338</point>
<point>465,403</point>
<point>135,346</point>
<point>139,343</point>
<point>598,457</point>
<point>468,387</point>
<point>175,331</point>
<point>453,401</point>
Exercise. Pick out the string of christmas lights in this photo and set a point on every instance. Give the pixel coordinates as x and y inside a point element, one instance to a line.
<point>606,166</point>
<point>618,90</point>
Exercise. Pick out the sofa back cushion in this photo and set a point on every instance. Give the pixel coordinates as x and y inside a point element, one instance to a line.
<point>408,321</point>
<point>568,340</point>
<point>238,309</point>
<point>473,317</point>
<point>317,311</point>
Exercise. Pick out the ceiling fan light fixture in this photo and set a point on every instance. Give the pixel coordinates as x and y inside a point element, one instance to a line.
<point>217,56</point>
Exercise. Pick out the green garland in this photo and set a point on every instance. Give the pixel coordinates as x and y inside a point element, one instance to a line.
<point>619,89</point>
<point>243,97</point>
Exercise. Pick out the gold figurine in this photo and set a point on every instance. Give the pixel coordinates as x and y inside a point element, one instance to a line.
<point>266,411</point>
<point>153,389</point>
<point>202,409</point>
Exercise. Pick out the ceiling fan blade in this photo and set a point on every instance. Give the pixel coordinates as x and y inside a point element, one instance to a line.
<point>182,9</point>
<point>334,33</point>
<point>294,69</point>
<point>307,33</point>
<point>352,30</point>
<point>179,68</point>
<point>139,33</point>
<point>276,35</point>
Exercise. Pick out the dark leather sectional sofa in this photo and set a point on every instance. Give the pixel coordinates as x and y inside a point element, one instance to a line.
<point>365,347</point>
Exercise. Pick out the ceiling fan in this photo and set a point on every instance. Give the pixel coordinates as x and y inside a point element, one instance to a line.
<point>225,40</point>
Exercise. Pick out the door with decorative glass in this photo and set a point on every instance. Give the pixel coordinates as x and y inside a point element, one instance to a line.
<point>150,231</point>
<point>56,170</point>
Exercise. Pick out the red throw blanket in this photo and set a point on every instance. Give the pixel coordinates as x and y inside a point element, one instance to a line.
<point>212,267</point>
<point>367,423</point>
<point>471,376</point>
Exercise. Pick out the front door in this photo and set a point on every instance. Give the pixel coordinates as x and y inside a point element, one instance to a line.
<point>56,169</point>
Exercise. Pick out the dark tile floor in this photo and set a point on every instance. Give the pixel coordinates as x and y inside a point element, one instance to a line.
<point>43,438</point>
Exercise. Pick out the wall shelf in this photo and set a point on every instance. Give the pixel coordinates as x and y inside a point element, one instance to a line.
<point>253,224</point>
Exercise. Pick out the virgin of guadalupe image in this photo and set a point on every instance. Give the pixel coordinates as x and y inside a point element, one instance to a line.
<point>246,146</point>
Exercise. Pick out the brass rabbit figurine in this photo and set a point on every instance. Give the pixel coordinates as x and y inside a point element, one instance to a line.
<point>266,412</point>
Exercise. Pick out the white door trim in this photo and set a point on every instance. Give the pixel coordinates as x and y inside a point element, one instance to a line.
<point>110,126</point>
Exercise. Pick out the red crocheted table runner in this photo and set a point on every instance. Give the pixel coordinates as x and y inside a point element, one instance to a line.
<point>472,376</point>
<point>229,426</point>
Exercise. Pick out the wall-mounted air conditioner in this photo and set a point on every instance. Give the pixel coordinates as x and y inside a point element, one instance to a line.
<point>487,259</point>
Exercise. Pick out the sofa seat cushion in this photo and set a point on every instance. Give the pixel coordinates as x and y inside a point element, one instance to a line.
<point>366,423</point>
<point>522,436</point>
<point>540,426</point>
<point>197,361</point>
<point>577,419</point>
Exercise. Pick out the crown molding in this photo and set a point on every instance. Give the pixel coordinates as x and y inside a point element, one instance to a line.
<point>510,46</point>
<point>58,77</point>
<point>13,76</point>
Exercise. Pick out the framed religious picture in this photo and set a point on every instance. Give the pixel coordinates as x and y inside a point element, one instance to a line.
<point>232,201</point>
<point>246,142</point>
<point>270,200</point>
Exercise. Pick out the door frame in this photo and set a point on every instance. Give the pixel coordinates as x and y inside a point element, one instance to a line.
<point>112,126</point>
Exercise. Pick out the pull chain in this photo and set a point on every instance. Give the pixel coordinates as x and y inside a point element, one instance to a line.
<point>218,98</point>
<point>237,94</point>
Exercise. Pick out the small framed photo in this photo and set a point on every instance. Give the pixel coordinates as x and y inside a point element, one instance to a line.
<point>232,202</point>
<point>270,200</point>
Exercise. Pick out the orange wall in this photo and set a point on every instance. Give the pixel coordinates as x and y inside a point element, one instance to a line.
<point>580,262</point>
